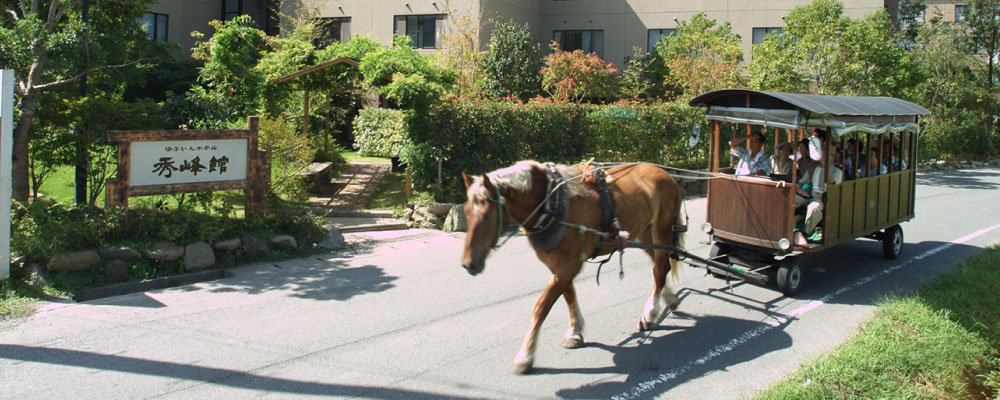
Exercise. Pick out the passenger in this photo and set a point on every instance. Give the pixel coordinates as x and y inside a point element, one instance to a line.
<point>781,164</point>
<point>813,198</point>
<point>752,161</point>
<point>850,173</point>
<point>874,165</point>
<point>803,163</point>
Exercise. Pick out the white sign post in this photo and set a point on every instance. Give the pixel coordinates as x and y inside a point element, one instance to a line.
<point>6,155</point>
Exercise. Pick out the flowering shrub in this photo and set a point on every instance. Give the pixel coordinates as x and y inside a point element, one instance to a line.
<point>379,132</point>
<point>478,137</point>
<point>574,76</point>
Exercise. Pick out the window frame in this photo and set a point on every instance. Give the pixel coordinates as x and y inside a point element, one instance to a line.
<point>559,36</point>
<point>326,23</point>
<point>153,32</point>
<point>767,30</point>
<point>961,15</point>
<point>226,12</point>
<point>651,46</point>
<point>420,33</point>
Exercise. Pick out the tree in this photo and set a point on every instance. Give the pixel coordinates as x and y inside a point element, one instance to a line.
<point>701,56</point>
<point>983,21</point>
<point>574,76</point>
<point>48,45</point>
<point>910,17</point>
<point>822,51</point>
<point>460,50</point>
<point>512,62</point>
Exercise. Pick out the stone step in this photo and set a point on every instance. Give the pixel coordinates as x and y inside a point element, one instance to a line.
<point>365,224</point>
<point>359,213</point>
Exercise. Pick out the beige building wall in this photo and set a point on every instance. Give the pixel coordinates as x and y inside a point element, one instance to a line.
<point>186,16</point>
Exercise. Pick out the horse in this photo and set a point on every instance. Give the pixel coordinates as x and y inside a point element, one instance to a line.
<point>646,200</point>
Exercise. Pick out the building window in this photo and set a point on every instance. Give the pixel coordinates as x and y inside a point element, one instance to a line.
<point>760,33</point>
<point>588,41</point>
<point>424,30</point>
<point>961,11</point>
<point>231,9</point>
<point>654,37</point>
<point>332,30</point>
<point>155,26</point>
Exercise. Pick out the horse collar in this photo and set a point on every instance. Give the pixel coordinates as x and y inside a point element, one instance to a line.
<point>547,231</point>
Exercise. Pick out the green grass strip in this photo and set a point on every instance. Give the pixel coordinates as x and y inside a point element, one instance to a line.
<point>941,342</point>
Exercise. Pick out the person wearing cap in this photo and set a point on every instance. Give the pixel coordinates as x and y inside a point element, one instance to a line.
<point>752,160</point>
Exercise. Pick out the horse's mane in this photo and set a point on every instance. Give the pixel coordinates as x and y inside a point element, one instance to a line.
<point>518,178</point>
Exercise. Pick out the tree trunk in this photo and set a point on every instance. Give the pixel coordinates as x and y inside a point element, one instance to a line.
<point>19,164</point>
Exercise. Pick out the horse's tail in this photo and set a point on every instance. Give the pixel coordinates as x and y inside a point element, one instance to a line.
<point>679,221</point>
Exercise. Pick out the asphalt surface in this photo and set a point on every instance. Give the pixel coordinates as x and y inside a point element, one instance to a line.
<point>398,318</point>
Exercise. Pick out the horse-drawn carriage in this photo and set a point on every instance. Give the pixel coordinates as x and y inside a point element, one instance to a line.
<point>571,213</point>
<point>753,220</point>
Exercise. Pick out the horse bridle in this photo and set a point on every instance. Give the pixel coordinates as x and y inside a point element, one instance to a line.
<point>501,209</point>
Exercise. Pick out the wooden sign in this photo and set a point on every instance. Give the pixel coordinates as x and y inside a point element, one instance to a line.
<point>178,161</point>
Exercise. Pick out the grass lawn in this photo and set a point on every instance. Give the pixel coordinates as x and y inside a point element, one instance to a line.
<point>61,185</point>
<point>942,342</point>
<point>390,196</point>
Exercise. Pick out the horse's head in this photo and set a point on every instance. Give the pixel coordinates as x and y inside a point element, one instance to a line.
<point>482,218</point>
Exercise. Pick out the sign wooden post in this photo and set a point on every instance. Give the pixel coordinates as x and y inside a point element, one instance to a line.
<point>6,158</point>
<point>178,161</point>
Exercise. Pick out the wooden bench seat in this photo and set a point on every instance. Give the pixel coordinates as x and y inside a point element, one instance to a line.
<point>317,173</point>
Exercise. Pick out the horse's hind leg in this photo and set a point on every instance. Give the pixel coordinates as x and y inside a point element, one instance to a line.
<point>525,358</point>
<point>574,335</point>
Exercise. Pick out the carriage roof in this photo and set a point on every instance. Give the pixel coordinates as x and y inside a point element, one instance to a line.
<point>844,114</point>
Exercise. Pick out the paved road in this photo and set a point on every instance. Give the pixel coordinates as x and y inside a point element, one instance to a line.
<point>402,320</point>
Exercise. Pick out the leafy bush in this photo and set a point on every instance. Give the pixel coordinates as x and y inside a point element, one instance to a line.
<point>289,152</point>
<point>478,137</point>
<point>510,67</point>
<point>574,76</point>
<point>44,229</point>
<point>380,132</point>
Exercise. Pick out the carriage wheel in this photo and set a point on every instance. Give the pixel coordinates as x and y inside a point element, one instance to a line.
<point>789,276</point>
<point>719,249</point>
<point>892,242</point>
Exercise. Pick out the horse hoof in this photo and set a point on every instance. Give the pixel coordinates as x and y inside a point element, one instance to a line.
<point>645,326</point>
<point>522,368</point>
<point>573,342</point>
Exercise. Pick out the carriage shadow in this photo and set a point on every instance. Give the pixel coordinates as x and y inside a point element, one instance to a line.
<point>649,357</point>
<point>959,179</point>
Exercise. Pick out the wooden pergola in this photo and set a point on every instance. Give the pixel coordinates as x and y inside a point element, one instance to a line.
<point>306,71</point>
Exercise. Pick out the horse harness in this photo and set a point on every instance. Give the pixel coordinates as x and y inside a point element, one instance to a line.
<point>548,230</point>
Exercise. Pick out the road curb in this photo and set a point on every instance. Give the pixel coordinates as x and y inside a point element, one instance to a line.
<point>119,289</point>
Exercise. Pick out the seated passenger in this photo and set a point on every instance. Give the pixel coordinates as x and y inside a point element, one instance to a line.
<point>813,198</point>
<point>803,162</point>
<point>875,166</point>
<point>781,164</point>
<point>752,161</point>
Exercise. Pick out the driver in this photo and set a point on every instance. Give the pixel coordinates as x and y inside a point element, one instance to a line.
<point>752,160</point>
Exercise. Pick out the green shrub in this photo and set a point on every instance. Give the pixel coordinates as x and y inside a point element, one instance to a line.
<point>478,137</point>
<point>289,152</point>
<point>380,132</point>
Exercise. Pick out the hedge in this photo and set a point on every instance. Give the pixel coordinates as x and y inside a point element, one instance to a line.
<point>380,132</point>
<point>478,137</point>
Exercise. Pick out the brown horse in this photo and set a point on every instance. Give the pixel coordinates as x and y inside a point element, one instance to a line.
<point>647,203</point>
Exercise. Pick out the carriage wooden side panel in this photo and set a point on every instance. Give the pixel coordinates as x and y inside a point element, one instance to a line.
<point>750,211</point>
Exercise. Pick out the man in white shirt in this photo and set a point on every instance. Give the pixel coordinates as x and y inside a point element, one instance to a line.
<point>752,160</point>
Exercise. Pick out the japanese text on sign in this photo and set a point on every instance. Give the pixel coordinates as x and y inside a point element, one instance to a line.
<point>188,161</point>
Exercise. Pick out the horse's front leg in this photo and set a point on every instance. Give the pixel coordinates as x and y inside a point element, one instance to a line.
<point>574,335</point>
<point>525,358</point>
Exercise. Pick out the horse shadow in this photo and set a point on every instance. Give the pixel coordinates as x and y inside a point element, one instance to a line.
<point>660,360</point>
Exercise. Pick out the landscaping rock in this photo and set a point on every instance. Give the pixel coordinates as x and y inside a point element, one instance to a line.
<point>439,209</point>
<point>995,162</point>
<point>256,248</point>
<point>284,242</point>
<point>74,261</point>
<point>455,222</point>
<point>334,240</point>
<point>165,251</point>
<point>408,214</point>
<point>116,271</point>
<point>36,275</point>
<point>198,255</point>
<point>227,245</point>
<point>978,164</point>
<point>119,253</point>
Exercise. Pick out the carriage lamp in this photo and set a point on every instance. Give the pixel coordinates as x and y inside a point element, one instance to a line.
<point>784,244</point>
<point>707,228</point>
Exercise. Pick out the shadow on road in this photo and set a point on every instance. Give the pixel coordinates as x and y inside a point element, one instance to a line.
<point>959,179</point>
<point>214,376</point>
<point>652,359</point>
<point>317,280</point>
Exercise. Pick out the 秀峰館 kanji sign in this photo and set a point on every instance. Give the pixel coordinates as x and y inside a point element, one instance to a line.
<point>163,162</point>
